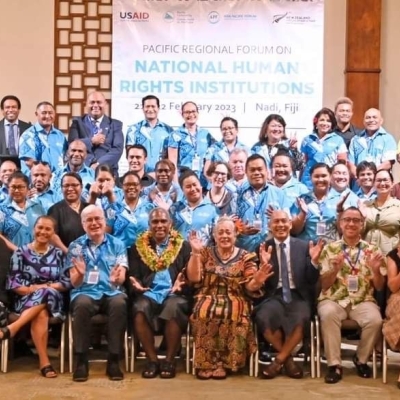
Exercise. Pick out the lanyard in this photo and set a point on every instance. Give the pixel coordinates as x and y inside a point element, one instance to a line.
<point>255,196</point>
<point>352,264</point>
<point>95,259</point>
<point>193,140</point>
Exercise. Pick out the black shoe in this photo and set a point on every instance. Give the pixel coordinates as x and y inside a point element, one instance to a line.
<point>3,315</point>
<point>363,370</point>
<point>113,371</point>
<point>334,374</point>
<point>81,373</point>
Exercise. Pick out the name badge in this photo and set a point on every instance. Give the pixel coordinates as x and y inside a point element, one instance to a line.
<point>352,283</point>
<point>321,228</point>
<point>93,277</point>
<point>257,223</point>
<point>196,163</point>
<point>187,215</point>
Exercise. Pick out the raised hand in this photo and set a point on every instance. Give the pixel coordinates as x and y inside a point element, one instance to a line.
<point>98,138</point>
<point>95,190</point>
<point>195,243</point>
<point>374,261</point>
<point>362,207</point>
<point>263,274</point>
<point>79,265</point>
<point>315,250</point>
<point>137,286</point>
<point>339,205</point>
<point>179,283</point>
<point>117,275</point>
<point>160,202</point>
<point>269,210</point>
<point>302,205</point>
<point>337,262</point>
<point>265,255</point>
<point>107,189</point>
<point>293,140</point>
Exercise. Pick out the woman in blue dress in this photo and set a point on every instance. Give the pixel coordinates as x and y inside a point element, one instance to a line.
<point>272,138</point>
<point>187,146</point>
<point>193,212</point>
<point>323,145</point>
<point>34,278</point>
<point>18,214</point>
<point>128,218</point>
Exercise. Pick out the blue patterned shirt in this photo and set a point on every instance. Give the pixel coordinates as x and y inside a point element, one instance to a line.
<point>293,189</point>
<point>126,224</point>
<point>3,194</point>
<point>103,258</point>
<point>103,200</point>
<point>219,152</point>
<point>86,173</point>
<point>252,206</point>
<point>17,224</point>
<point>200,219</point>
<point>48,198</point>
<point>39,145</point>
<point>155,140</point>
<point>378,148</point>
<point>175,188</point>
<point>321,151</point>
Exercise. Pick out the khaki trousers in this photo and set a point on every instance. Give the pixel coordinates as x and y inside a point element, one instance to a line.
<point>366,314</point>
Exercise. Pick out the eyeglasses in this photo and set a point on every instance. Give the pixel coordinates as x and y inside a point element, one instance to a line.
<point>71,185</point>
<point>18,187</point>
<point>160,171</point>
<point>133,184</point>
<point>220,173</point>
<point>382,180</point>
<point>347,220</point>
<point>190,112</point>
<point>94,219</point>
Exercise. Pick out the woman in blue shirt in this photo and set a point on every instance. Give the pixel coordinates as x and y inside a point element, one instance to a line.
<point>323,145</point>
<point>187,146</point>
<point>130,217</point>
<point>193,212</point>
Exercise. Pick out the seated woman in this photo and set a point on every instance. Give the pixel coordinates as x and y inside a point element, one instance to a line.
<point>34,278</point>
<point>222,198</point>
<point>130,217</point>
<point>391,326</point>
<point>221,318</point>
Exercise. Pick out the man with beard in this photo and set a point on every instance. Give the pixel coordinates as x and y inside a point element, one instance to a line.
<point>76,154</point>
<point>344,114</point>
<point>237,164</point>
<point>101,134</point>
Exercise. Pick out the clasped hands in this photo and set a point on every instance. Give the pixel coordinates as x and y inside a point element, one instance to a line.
<point>176,287</point>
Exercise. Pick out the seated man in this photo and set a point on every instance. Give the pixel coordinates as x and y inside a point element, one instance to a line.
<point>289,293</point>
<point>155,272</point>
<point>101,134</point>
<point>96,264</point>
<point>76,156</point>
<point>350,271</point>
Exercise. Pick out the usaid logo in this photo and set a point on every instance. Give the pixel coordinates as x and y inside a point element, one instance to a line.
<point>213,17</point>
<point>136,16</point>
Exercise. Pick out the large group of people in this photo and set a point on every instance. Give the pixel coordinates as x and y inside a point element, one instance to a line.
<point>209,233</point>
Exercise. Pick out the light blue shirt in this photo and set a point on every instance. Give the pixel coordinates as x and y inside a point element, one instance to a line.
<point>104,257</point>
<point>318,150</point>
<point>293,189</point>
<point>48,198</point>
<point>362,196</point>
<point>252,206</point>
<point>155,140</point>
<point>37,144</point>
<point>126,224</point>
<point>200,219</point>
<point>175,188</point>
<point>219,152</point>
<point>17,224</point>
<point>268,152</point>
<point>103,200</point>
<point>4,196</point>
<point>378,148</point>
<point>86,173</point>
<point>234,186</point>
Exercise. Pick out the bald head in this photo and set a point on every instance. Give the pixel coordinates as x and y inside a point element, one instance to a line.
<point>372,120</point>
<point>280,224</point>
<point>96,105</point>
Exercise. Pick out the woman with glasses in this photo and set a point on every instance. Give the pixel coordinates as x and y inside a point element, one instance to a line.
<point>187,146</point>
<point>272,138</point>
<point>18,214</point>
<point>127,219</point>
<point>323,145</point>
<point>382,214</point>
<point>222,198</point>
<point>163,192</point>
<point>67,212</point>
<point>221,150</point>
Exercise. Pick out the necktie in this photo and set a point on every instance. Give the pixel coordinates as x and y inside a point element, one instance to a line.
<point>11,140</point>
<point>95,127</point>
<point>286,293</point>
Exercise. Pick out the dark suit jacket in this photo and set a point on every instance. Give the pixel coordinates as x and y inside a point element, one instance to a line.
<point>108,153</point>
<point>22,127</point>
<point>305,275</point>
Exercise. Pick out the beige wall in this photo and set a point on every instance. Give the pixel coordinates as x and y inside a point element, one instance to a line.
<point>27,52</point>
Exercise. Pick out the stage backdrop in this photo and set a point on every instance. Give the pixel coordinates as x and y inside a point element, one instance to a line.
<point>240,58</point>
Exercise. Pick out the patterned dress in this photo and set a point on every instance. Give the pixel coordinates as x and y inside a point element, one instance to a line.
<point>221,319</point>
<point>30,268</point>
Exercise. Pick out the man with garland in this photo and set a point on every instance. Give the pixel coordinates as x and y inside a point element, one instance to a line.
<point>156,264</point>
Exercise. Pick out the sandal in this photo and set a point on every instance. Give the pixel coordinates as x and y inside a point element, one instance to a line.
<point>167,370</point>
<point>48,371</point>
<point>6,333</point>
<point>204,374</point>
<point>292,369</point>
<point>272,370</point>
<point>151,370</point>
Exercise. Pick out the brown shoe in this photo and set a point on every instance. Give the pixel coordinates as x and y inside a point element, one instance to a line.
<point>292,369</point>
<point>272,370</point>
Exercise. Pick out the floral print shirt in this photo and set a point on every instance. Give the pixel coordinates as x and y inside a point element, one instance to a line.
<point>355,258</point>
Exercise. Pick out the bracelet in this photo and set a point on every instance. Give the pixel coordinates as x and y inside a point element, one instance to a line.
<point>195,254</point>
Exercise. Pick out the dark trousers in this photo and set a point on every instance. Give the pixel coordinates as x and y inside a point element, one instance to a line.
<point>83,308</point>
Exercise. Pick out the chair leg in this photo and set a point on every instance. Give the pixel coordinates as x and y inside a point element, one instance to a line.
<point>312,349</point>
<point>193,356</point>
<point>374,364</point>
<point>126,351</point>
<point>70,345</point>
<point>187,359</point>
<point>384,361</point>
<point>318,347</point>
<point>133,354</point>
<point>62,348</point>
<point>4,354</point>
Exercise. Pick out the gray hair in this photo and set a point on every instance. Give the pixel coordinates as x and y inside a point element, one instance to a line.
<point>220,220</point>
<point>89,209</point>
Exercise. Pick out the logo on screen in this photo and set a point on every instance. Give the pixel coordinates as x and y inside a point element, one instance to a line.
<point>137,16</point>
<point>276,18</point>
<point>213,17</point>
<point>168,16</point>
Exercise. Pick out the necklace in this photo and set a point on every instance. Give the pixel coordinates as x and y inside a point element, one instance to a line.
<point>220,200</point>
<point>41,252</point>
<point>76,207</point>
<point>224,258</point>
